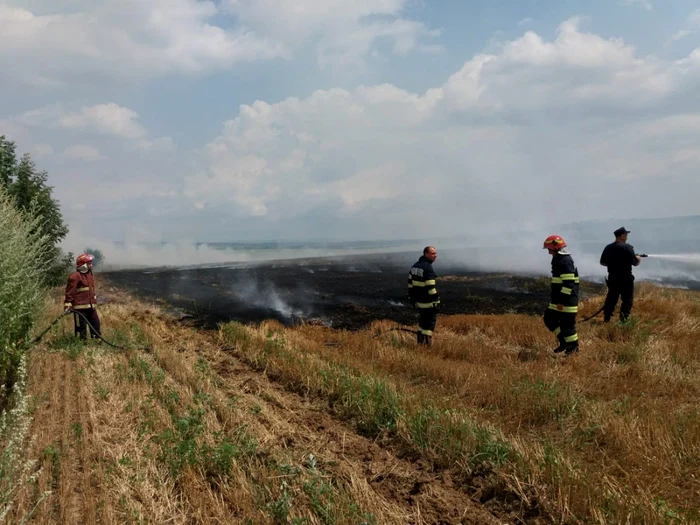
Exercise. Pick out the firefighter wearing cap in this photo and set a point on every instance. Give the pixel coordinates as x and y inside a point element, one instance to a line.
<point>422,293</point>
<point>80,297</point>
<point>619,257</point>
<point>560,315</point>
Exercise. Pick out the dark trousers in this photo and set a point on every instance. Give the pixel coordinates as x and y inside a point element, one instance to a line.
<point>563,324</point>
<point>619,287</point>
<point>426,324</point>
<point>81,327</point>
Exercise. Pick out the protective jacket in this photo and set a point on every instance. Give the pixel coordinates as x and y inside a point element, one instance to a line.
<point>565,284</point>
<point>422,289</point>
<point>80,291</point>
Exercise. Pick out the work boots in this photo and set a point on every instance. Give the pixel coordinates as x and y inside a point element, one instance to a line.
<point>571,349</point>
<point>424,339</point>
<point>567,348</point>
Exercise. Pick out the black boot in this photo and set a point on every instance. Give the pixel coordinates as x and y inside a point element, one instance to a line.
<point>428,341</point>
<point>572,348</point>
<point>421,338</point>
<point>560,348</point>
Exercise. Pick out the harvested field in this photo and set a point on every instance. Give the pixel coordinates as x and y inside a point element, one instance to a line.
<point>301,422</point>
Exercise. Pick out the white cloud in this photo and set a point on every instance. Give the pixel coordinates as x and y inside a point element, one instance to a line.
<point>82,152</point>
<point>644,4</point>
<point>680,34</point>
<point>536,130</point>
<point>50,44</point>
<point>131,38</point>
<point>692,26</point>
<point>345,29</point>
<point>105,119</point>
<point>504,138</point>
<point>525,21</point>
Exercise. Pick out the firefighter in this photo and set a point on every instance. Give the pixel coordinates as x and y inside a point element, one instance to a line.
<point>560,315</point>
<point>80,297</point>
<point>619,257</point>
<point>422,293</point>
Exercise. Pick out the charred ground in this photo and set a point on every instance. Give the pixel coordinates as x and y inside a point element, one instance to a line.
<point>346,293</point>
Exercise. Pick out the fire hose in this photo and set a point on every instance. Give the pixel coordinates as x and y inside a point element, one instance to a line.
<point>92,330</point>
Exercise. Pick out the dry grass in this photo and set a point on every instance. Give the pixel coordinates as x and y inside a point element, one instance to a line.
<point>211,428</point>
<point>611,435</point>
<point>186,433</point>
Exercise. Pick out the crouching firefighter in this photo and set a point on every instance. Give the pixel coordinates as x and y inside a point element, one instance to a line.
<point>422,293</point>
<point>80,297</point>
<point>560,316</point>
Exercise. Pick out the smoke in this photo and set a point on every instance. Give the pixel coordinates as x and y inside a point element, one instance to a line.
<point>265,295</point>
<point>138,252</point>
<point>525,256</point>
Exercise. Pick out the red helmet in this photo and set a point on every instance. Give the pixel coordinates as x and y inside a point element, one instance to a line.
<point>554,242</point>
<point>84,259</point>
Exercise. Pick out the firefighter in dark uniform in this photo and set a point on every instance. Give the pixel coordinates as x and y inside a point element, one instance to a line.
<point>422,293</point>
<point>619,257</point>
<point>560,315</point>
<point>81,297</point>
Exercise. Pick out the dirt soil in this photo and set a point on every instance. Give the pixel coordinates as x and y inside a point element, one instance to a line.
<point>346,293</point>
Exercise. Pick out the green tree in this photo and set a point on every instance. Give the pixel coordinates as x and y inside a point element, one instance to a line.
<point>8,162</point>
<point>33,196</point>
<point>97,254</point>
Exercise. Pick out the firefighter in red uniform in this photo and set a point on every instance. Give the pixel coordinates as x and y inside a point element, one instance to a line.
<point>80,297</point>
<point>560,315</point>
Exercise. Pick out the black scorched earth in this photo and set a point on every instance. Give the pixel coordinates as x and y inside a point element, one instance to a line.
<point>347,292</point>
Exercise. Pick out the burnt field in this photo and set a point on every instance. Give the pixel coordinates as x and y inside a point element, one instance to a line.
<point>347,292</point>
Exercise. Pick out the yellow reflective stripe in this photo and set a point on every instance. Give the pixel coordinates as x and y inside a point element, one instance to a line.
<point>571,338</point>
<point>432,291</point>
<point>420,284</point>
<point>568,276</point>
<point>67,304</point>
<point>410,285</point>
<point>430,282</point>
<point>557,330</point>
<point>566,309</point>
<point>427,305</point>
<point>566,291</point>
<point>425,332</point>
<point>83,306</point>
<point>84,289</point>
<point>556,280</point>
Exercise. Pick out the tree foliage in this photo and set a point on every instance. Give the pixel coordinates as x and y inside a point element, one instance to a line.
<point>28,188</point>
<point>97,254</point>
<point>22,272</point>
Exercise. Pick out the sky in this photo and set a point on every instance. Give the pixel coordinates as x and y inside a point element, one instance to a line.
<point>242,120</point>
